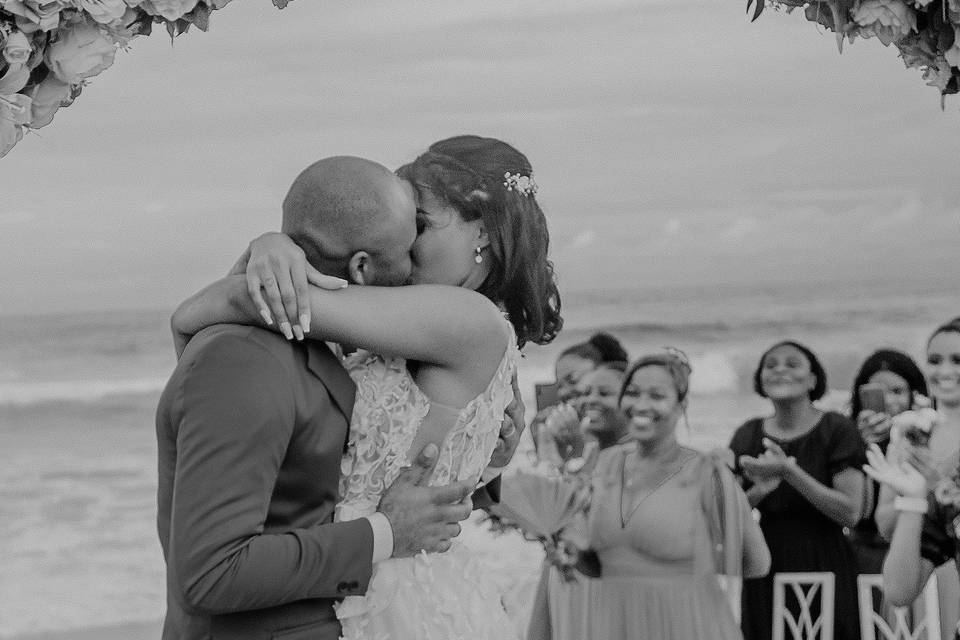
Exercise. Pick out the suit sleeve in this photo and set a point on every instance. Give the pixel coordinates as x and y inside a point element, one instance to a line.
<point>234,422</point>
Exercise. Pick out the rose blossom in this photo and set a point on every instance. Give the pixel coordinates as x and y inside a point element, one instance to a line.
<point>36,14</point>
<point>14,113</point>
<point>104,11</point>
<point>168,9</point>
<point>16,50</point>
<point>889,20</point>
<point>81,51</point>
<point>14,79</point>
<point>47,98</point>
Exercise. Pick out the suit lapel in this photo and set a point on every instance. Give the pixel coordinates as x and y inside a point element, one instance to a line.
<point>327,367</point>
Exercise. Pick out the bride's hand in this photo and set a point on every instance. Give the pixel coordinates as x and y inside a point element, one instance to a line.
<point>902,478</point>
<point>278,276</point>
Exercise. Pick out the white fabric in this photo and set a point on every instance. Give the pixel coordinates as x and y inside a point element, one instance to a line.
<point>442,596</point>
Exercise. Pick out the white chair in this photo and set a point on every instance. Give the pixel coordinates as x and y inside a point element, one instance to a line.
<point>807,587</point>
<point>873,625</point>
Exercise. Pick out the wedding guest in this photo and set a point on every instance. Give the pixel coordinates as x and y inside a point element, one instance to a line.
<point>666,520</point>
<point>903,384</point>
<point>576,360</point>
<point>560,419</point>
<point>801,469</point>
<point>924,535</point>
<point>937,457</point>
<point>562,606</point>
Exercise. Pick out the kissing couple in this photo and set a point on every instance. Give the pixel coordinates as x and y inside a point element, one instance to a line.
<point>308,494</point>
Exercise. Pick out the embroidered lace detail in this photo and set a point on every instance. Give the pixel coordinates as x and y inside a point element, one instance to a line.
<point>387,411</point>
<point>433,595</point>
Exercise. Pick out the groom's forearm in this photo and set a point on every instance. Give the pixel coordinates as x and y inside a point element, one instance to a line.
<point>268,570</point>
<point>224,301</point>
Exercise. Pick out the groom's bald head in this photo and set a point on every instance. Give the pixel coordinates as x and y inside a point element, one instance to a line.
<point>353,218</point>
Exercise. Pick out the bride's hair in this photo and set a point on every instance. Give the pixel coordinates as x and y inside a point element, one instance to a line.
<point>479,177</point>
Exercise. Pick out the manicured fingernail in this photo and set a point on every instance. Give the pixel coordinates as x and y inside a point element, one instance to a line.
<point>297,331</point>
<point>305,323</point>
<point>343,283</point>
<point>285,330</point>
<point>266,316</point>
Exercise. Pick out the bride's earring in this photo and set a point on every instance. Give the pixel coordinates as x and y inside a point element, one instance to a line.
<point>478,258</point>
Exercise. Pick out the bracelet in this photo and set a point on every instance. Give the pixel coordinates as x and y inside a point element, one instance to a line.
<point>913,505</point>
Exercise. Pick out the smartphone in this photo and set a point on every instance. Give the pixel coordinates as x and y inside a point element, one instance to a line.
<point>546,395</point>
<point>873,397</point>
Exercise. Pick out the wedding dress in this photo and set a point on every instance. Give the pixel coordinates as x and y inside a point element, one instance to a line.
<point>436,596</point>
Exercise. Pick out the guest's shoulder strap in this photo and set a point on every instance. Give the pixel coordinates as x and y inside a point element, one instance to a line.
<point>609,461</point>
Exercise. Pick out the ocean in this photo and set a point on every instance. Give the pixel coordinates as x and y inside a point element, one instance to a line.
<point>78,547</point>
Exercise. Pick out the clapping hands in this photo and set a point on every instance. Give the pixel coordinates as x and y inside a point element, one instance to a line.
<point>771,465</point>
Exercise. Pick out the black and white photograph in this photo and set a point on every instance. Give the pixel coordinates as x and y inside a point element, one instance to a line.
<point>500,320</point>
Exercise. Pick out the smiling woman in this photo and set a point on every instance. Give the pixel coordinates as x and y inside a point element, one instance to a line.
<point>665,521</point>
<point>800,468</point>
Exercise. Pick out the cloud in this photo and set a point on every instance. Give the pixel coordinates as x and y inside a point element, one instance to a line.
<point>154,208</point>
<point>583,239</point>
<point>740,229</point>
<point>17,217</point>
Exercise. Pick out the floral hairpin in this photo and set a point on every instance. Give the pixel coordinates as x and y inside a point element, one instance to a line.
<point>524,185</point>
<point>678,355</point>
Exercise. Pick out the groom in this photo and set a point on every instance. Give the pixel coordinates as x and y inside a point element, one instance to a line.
<point>251,429</point>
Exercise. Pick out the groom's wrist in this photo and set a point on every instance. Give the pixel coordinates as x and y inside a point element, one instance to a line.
<point>382,536</point>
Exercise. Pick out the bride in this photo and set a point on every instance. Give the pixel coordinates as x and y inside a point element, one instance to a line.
<point>453,353</point>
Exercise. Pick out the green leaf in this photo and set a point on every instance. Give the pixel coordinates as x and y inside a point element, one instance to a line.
<point>200,17</point>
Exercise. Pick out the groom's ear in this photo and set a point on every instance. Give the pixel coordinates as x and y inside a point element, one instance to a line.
<point>359,269</point>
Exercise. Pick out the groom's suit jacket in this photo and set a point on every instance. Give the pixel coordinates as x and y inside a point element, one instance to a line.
<point>251,429</point>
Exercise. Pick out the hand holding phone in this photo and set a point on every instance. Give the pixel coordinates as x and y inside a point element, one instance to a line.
<point>873,397</point>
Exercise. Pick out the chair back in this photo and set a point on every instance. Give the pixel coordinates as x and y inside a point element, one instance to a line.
<point>812,592</point>
<point>893,623</point>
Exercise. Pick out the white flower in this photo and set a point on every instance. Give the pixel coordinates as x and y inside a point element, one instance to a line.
<point>81,51</point>
<point>103,11</point>
<point>125,28</point>
<point>14,113</point>
<point>14,79</point>
<point>168,9</point>
<point>16,50</point>
<point>48,96</point>
<point>36,14</point>
<point>889,20</point>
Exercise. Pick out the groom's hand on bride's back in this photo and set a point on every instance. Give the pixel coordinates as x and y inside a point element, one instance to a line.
<point>424,518</point>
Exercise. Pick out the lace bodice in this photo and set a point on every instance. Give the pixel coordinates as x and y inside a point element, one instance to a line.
<point>387,412</point>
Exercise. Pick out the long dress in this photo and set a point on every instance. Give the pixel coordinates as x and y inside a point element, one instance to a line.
<point>659,571</point>
<point>436,596</point>
<point>799,536</point>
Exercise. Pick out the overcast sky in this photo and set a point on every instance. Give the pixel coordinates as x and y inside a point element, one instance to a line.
<point>673,141</point>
